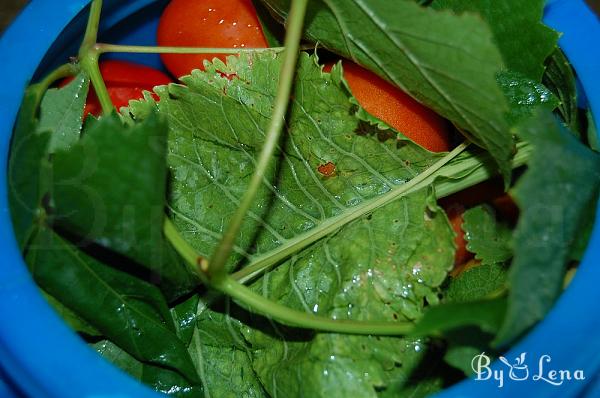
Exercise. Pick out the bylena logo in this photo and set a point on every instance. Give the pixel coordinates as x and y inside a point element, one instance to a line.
<point>518,370</point>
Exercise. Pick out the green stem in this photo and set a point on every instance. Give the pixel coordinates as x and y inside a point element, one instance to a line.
<point>295,318</point>
<point>116,48</point>
<point>89,55</point>
<point>443,187</point>
<point>185,250</point>
<point>278,312</point>
<point>91,30</point>
<point>216,266</point>
<point>263,262</point>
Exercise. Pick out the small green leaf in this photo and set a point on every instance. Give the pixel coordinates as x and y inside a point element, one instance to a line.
<point>109,188</point>
<point>487,237</point>
<point>476,283</point>
<point>485,314</point>
<point>61,112</point>
<point>560,79</point>
<point>525,96</point>
<point>592,132</point>
<point>121,307</point>
<point>556,195</point>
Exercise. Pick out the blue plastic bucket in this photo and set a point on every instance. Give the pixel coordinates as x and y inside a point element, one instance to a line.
<point>41,357</point>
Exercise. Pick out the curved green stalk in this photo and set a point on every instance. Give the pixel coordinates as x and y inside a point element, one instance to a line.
<point>305,320</point>
<point>186,251</point>
<point>292,43</point>
<point>301,241</point>
<point>117,48</point>
<point>59,73</point>
<point>280,313</point>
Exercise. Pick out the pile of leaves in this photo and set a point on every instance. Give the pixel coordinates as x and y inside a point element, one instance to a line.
<point>89,199</point>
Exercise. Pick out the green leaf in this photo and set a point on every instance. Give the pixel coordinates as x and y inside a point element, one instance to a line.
<point>222,356</point>
<point>487,237</point>
<point>161,379</point>
<point>525,96</point>
<point>592,132</point>
<point>273,31</point>
<point>446,61</point>
<point>62,112</point>
<point>476,283</point>
<point>464,344</point>
<point>556,195</point>
<point>384,266</point>
<point>27,163</point>
<point>184,315</point>
<point>212,158</point>
<point>485,314</point>
<point>74,321</point>
<point>125,309</point>
<point>560,79</point>
<point>109,188</point>
<point>524,41</point>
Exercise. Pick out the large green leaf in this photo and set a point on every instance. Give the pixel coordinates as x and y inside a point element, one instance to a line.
<point>130,312</point>
<point>212,157</point>
<point>109,188</point>
<point>27,163</point>
<point>524,41</point>
<point>557,195</point>
<point>46,121</point>
<point>446,61</point>
<point>384,266</point>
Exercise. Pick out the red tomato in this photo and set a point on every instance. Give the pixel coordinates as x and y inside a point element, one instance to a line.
<point>125,81</point>
<point>396,108</point>
<point>207,23</point>
<point>455,205</point>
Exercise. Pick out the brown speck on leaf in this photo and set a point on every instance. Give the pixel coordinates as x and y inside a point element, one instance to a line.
<point>327,169</point>
<point>229,76</point>
<point>202,263</point>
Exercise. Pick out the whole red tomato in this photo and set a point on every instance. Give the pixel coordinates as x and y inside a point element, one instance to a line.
<point>207,23</point>
<point>390,104</point>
